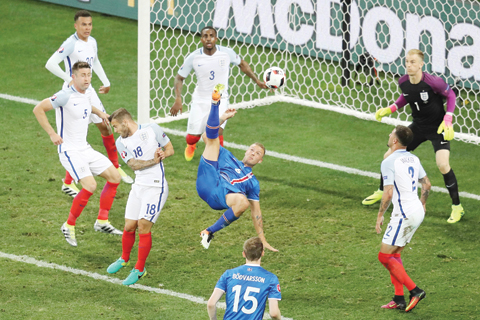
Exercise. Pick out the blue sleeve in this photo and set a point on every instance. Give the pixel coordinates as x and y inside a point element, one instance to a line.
<point>274,289</point>
<point>125,154</point>
<point>388,172</point>
<point>187,66</point>
<point>60,98</point>
<point>222,282</point>
<point>254,193</point>
<point>161,136</point>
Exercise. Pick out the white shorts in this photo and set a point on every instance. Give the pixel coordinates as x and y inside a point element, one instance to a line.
<point>145,202</point>
<point>199,110</point>
<point>84,163</point>
<point>94,101</point>
<point>400,230</point>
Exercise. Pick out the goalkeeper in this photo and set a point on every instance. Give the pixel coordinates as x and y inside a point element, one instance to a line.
<point>425,94</point>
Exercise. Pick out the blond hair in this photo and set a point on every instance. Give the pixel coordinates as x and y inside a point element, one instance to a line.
<point>417,52</point>
<point>253,249</point>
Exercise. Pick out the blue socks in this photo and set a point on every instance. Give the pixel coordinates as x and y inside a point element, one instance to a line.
<point>225,220</point>
<point>213,122</point>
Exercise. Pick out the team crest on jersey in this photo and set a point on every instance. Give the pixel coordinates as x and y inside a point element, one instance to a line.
<point>144,136</point>
<point>60,50</point>
<point>278,288</point>
<point>123,154</point>
<point>222,62</point>
<point>238,170</point>
<point>424,96</point>
<point>249,269</point>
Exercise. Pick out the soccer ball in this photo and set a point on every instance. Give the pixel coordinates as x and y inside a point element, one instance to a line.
<point>274,77</point>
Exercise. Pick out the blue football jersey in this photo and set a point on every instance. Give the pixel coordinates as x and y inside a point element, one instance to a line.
<point>238,178</point>
<point>247,288</point>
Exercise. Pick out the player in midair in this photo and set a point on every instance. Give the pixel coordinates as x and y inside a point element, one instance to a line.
<point>211,64</point>
<point>401,171</point>
<point>73,109</point>
<point>143,148</point>
<point>247,288</point>
<point>425,93</point>
<point>223,181</point>
<point>81,46</point>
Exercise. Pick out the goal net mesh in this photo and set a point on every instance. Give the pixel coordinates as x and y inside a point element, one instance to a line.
<point>304,37</point>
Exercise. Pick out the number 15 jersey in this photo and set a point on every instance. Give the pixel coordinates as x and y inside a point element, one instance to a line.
<point>247,288</point>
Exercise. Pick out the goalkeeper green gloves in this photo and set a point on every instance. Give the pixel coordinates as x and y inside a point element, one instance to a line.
<point>384,112</point>
<point>446,127</point>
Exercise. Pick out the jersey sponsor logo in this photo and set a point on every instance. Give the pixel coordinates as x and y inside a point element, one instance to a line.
<point>240,180</point>
<point>60,50</point>
<point>278,288</point>
<point>53,98</point>
<point>424,96</point>
<point>123,154</point>
<point>238,276</point>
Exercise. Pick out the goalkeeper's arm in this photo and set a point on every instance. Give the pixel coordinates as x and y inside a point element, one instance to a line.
<point>400,103</point>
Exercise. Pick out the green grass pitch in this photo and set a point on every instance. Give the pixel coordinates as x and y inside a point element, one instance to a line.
<point>327,264</point>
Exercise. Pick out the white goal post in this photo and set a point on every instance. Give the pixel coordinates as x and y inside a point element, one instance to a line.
<point>305,38</point>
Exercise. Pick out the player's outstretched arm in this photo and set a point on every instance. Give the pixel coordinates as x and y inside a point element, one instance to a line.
<point>258,223</point>
<point>245,67</point>
<point>273,309</point>
<point>177,105</point>
<point>212,303</point>
<point>39,111</point>
<point>386,200</point>
<point>426,186</point>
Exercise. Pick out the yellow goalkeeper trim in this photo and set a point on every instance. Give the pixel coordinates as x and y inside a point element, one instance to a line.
<point>382,113</point>
<point>448,132</point>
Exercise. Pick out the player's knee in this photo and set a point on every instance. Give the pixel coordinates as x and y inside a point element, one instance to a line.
<point>115,176</point>
<point>443,167</point>
<point>90,186</point>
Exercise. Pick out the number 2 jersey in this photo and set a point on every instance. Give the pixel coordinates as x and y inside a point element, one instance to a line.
<point>142,146</point>
<point>247,288</point>
<point>402,169</point>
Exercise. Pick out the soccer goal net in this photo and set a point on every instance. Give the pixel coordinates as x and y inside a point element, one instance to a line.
<point>308,39</point>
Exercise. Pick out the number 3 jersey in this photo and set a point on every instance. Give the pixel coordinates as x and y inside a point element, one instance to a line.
<point>247,288</point>
<point>142,146</point>
<point>402,170</point>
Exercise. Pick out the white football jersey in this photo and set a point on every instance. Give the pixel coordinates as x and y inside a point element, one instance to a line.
<point>74,49</point>
<point>142,145</point>
<point>210,70</point>
<point>73,111</point>
<point>402,169</point>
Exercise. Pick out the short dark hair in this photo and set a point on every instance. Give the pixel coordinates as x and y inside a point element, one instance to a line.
<point>82,13</point>
<point>80,65</point>
<point>404,135</point>
<point>208,28</point>
<point>253,248</point>
<point>120,115</point>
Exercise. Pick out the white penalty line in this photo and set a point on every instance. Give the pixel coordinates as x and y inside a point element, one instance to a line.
<point>320,164</point>
<point>97,276</point>
<point>274,154</point>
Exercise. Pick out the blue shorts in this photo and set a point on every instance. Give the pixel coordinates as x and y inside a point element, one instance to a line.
<point>210,185</point>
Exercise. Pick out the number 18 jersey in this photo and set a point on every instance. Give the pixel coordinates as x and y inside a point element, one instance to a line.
<point>247,288</point>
